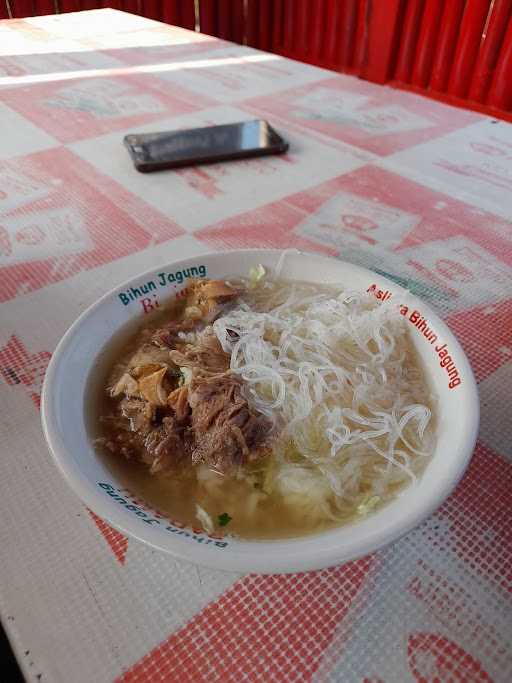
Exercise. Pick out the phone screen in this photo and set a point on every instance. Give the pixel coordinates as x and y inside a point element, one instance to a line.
<point>153,151</point>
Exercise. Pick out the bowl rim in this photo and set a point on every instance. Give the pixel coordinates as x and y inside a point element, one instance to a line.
<point>302,553</point>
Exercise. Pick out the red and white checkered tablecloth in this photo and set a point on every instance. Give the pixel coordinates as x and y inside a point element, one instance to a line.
<point>412,188</point>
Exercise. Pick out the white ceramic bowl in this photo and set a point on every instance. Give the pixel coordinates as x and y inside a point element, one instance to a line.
<point>64,415</point>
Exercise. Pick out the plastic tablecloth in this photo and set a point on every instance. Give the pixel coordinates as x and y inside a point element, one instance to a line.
<point>411,188</point>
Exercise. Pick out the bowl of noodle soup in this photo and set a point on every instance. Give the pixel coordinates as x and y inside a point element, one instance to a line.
<point>260,410</point>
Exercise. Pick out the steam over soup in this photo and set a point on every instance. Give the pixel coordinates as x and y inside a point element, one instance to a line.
<point>268,408</point>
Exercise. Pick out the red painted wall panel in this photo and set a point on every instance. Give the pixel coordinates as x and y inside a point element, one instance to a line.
<point>265,22</point>
<point>446,44</point>
<point>320,25</point>
<point>85,4</point>
<point>345,51</point>
<point>21,8</point>
<point>380,44</point>
<point>238,21</point>
<point>208,17</point>
<point>130,6</point>
<point>72,5</point>
<point>170,13</point>
<point>303,11</point>
<point>42,7</point>
<point>427,43</point>
<point>490,50</point>
<point>288,24</point>
<point>224,23</point>
<point>187,14</point>
<point>500,94</point>
<point>409,36</point>
<point>152,9</point>
<point>470,36</point>
<point>361,38</point>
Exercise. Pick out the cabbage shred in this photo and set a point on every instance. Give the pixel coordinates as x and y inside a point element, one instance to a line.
<point>337,374</point>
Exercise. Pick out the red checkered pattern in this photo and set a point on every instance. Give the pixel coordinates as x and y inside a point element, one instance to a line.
<point>382,121</point>
<point>451,662</point>
<point>485,334</point>
<point>75,108</point>
<point>18,366</point>
<point>65,217</point>
<point>384,210</point>
<point>410,188</point>
<point>117,542</point>
<point>263,628</point>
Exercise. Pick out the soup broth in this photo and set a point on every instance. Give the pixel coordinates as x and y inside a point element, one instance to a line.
<point>265,408</point>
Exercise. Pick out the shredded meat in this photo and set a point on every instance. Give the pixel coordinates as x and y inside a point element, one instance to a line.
<point>139,413</point>
<point>127,444</point>
<point>167,337</point>
<point>206,355</point>
<point>147,353</point>
<point>206,300</point>
<point>227,432</point>
<point>166,446</point>
<point>207,420</point>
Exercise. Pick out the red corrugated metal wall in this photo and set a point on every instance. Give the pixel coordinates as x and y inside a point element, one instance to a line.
<point>455,50</point>
<point>459,51</point>
<point>223,18</point>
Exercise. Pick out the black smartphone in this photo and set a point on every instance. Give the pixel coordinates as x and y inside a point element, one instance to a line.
<point>157,151</point>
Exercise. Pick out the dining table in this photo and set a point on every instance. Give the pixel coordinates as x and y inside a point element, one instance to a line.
<point>413,189</point>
